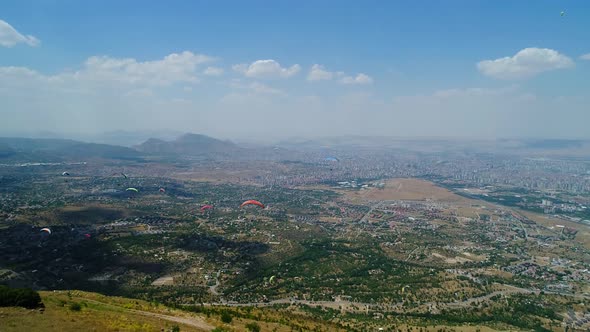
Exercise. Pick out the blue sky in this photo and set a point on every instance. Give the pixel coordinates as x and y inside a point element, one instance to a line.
<point>410,54</point>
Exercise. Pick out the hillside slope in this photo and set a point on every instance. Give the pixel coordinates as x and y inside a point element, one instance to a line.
<point>188,144</point>
<point>97,313</point>
<point>53,150</point>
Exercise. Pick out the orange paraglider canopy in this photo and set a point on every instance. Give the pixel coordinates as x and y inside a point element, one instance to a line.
<point>252,202</point>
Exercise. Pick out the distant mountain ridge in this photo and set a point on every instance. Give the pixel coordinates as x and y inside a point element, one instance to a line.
<point>38,149</point>
<point>189,144</point>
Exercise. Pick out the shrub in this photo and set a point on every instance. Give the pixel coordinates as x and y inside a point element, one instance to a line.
<point>19,297</point>
<point>226,317</point>
<point>75,306</point>
<point>253,327</point>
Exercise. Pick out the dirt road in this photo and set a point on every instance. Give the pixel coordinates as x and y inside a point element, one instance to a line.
<point>191,321</point>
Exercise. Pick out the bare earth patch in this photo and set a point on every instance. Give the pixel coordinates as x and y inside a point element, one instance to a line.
<point>166,280</point>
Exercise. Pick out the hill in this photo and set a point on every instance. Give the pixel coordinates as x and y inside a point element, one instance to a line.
<point>189,145</point>
<point>82,311</point>
<point>85,311</point>
<point>38,149</point>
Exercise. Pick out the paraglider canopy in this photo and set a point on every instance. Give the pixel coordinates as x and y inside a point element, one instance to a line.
<point>124,175</point>
<point>65,173</point>
<point>46,230</point>
<point>331,159</point>
<point>132,189</point>
<point>252,202</point>
<point>87,236</point>
<point>162,190</point>
<point>563,13</point>
<point>206,207</point>
<point>271,280</point>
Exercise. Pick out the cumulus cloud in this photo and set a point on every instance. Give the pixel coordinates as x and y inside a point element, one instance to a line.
<point>318,73</point>
<point>524,64</point>
<point>213,71</point>
<point>103,93</point>
<point>176,67</point>
<point>266,69</point>
<point>10,37</point>
<point>585,56</point>
<point>359,79</point>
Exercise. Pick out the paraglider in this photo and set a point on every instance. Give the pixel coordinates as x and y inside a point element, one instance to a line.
<point>132,189</point>
<point>124,175</point>
<point>271,280</point>
<point>252,202</point>
<point>562,13</point>
<point>65,174</point>
<point>404,288</point>
<point>87,235</point>
<point>334,159</point>
<point>46,230</point>
<point>162,190</point>
<point>206,207</point>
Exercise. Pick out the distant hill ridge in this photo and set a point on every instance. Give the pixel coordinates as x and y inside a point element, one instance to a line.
<point>58,149</point>
<point>189,144</point>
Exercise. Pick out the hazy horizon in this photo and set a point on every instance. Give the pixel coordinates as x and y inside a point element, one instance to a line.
<point>132,138</point>
<point>479,70</point>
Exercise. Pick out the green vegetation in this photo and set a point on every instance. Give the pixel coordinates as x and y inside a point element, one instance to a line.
<point>226,317</point>
<point>19,297</point>
<point>339,263</point>
<point>75,306</point>
<point>253,327</point>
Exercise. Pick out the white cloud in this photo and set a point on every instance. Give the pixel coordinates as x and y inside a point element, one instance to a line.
<point>108,93</point>
<point>266,69</point>
<point>17,71</point>
<point>359,79</point>
<point>213,71</point>
<point>526,63</point>
<point>262,88</point>
<point>474,92</point>
<point>176,67</point>
<point>585,56</point>
<point>318,73</point>
<point>255,87</point>
<point>10,37</point>
<point>138,93</point>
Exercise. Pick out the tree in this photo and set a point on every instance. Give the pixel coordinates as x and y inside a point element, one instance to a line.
<point>253,327</point>
<point>175,328</point>
<point>19,297</point>
<point>226,317</point>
